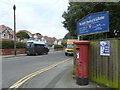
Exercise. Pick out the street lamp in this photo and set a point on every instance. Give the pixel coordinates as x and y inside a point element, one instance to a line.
<point>14,8</point>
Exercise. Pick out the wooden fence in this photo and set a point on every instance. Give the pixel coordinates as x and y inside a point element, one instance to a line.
<point>105,69</point>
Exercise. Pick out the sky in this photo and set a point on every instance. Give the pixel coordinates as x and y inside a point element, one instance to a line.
<point>36,16</point>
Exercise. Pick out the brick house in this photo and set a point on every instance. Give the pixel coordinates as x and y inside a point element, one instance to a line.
<point>6,33</point>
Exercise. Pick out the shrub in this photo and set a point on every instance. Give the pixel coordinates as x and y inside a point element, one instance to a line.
<point>50,45</point>
<point>20,45</point>
<point>9,44</point>
<point>58,46</point>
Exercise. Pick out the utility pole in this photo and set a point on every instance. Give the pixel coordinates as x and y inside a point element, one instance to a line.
<point>14,8</point>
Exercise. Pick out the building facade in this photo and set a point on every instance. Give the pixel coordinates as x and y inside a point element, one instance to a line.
<point>6,33</point>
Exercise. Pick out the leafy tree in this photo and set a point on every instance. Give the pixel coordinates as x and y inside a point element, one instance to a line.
<point>77,10</point>
<point>22,35</point>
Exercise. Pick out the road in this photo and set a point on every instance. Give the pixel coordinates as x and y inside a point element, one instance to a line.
<point>15,68</point>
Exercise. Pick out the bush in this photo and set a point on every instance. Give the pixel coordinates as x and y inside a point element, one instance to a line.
<point>9,44</point>
<point>20,45</point>
<point>58,46</point>
<point>50,45</point>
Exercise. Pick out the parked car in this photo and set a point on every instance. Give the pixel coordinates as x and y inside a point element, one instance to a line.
<point>34,48</point>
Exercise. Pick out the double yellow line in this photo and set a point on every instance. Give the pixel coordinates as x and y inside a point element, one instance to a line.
<point>23,80</point>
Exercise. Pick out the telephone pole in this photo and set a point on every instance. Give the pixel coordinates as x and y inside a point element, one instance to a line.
<point>14,8</point>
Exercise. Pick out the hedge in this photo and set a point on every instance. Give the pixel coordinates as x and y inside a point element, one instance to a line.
<point>58,46</point>
<point>9,44</point>
<point>20,45</point>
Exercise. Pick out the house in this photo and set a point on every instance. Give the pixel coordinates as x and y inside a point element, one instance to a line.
<point>37,36</point>
<point>6,33</point>
<point>49,40</point>
<point>58,41</point>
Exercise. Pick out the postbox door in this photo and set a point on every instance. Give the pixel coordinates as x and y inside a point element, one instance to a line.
<point>82,61</point>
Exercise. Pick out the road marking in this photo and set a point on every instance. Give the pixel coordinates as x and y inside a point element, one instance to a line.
<point>24,79</point>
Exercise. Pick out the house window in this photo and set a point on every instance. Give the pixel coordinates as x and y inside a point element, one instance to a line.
<point>2,35</point>
<point>5,35</point>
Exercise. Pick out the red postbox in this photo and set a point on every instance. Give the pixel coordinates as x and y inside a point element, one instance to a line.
<point>82,62</point>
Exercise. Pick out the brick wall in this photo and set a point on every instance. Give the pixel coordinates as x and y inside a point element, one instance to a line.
<point>11,51</point>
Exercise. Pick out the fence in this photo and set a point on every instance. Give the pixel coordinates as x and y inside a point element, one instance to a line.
<point>105,69</point>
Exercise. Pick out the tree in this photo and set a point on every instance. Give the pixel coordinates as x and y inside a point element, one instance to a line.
<point>22,35</point>
<point>77,10</point>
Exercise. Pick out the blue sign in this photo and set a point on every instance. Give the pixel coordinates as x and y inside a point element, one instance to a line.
<point>94,23</point>
<point>105,48</point>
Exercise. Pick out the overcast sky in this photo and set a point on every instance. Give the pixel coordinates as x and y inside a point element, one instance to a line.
<point>36,16</point>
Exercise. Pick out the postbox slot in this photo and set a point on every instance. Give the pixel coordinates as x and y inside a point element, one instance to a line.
<point>77,48</point>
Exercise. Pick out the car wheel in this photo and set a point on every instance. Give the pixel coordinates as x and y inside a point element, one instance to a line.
<point>36,54</point>
<point>66,54</point>
<point>46,53</point>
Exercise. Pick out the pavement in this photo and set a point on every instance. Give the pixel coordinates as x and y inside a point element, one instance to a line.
<point>8,56</point>
<point>66,80</point>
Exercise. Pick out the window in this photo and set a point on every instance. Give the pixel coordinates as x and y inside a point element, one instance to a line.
<point>30,44</point>
<point>2,35</point>
<point>5,35</point>
<point>70,46</point>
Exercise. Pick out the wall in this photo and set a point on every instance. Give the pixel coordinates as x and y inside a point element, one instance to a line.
<point>105,69</point>
<point>11,51</point>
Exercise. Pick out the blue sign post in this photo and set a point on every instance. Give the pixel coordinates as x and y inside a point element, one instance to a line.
<point>94,23</point>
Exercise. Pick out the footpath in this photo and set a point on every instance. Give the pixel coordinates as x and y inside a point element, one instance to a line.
<point>9,56</point>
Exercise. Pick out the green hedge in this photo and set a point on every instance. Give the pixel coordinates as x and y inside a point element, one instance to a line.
<point>20,45</point>
<point>58,46</point>
<point>9,44</point>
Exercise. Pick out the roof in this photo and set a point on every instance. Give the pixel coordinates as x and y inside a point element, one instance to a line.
<point>3,27</point>
<point>38,35</point>
<point>36,42</point>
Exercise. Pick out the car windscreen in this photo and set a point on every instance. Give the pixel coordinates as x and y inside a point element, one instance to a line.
<point>39,45</point>
<point>69,46</point>
<point>29,44</point>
